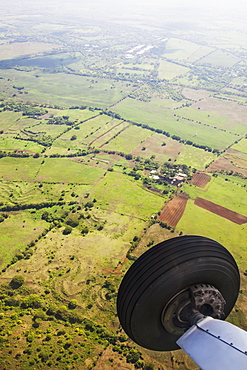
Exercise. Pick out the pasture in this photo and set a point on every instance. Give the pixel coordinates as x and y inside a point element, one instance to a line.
<point>66,171</point>
<point>20,49</point>
<point>220,58</point>
<point>241,146</point>
<point>116,192</point>
<point>158,117</point>
<point>195,157</point>
<point>85,133</point>
<point>63,89</point>
<point>206,117</point>
<point>18,230</point>
<point>128,140</point>
<point>8,143</point>
<point>229,234</point>
<point>168,70</point>
<point>220,191</point>
<point>179,49</point>
<point>19,169</point>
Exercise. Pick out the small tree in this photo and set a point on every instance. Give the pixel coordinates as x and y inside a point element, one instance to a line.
<point>72,304</point>
<point>67,230</point>
<point>17,281</point>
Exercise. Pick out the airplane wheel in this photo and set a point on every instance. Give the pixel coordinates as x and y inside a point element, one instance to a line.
<point>157,287</point>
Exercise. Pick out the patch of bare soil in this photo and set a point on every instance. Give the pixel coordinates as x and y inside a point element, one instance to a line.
<point>173,210</point>
<point>235,217</point>
<point>223,108</point>
<point>200,179</point>
<point>225,165</point>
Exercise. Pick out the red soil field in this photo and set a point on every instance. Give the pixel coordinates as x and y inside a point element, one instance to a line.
<point>235,217</point>
<point>173,210</point>
<point>200,179</point>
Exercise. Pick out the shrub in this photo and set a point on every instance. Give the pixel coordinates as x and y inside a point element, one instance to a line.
<point>17,281</point>
<point>67,230</point>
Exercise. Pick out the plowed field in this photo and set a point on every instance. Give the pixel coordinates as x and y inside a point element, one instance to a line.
<point>235,217</point>
<point>200,179</point>
<point>173,210</point>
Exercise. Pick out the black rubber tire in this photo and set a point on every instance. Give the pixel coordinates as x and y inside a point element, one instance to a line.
<point>162,272</point>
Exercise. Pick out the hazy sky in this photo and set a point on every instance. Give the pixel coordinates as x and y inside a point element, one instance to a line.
<point>176,10</point>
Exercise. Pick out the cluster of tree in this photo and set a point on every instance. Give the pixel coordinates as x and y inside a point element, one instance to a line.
<point>63,120</point>
<point>111,114</point>
<point>30,110</point>
<point>20,207</point>
<point>45,140</point>
<point>15,154</point>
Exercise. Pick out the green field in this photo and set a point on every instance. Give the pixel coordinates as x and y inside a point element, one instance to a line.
<point>19,169</point>
<point>158,117</point>
<point>195,157</point>
<point>241,146</point>
<point>128,140</point>
<point>81,191</point>
<point>67,171</point>
<point>85,134</point>
<point>220,58</point>
<point>178,49</point>
<point>230,194</point>
<point>212,119</point>
<point>19,229</point>
<point>9,143</point>
<point>169,70</point>
<point>119,194</point>
<point>197,221</point>
<point>221,192</point>
<point>66,90</point>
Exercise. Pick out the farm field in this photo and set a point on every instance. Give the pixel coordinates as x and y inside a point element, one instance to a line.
<point>8,143</point>
<point>229,234</point>
<point>125,197</point>
<point>66,171</point>
<point>160,118</point>
<point>29,227</point>
<point>168,70</point>
<point>66,89</point>
<point>221,192</point>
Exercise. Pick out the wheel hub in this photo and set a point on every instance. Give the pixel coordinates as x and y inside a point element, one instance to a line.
<point>185,308</point>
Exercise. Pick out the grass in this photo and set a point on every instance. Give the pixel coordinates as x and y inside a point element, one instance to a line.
<point>18,49</point>
<point>229,194</point>
<point>9,143</point>
<point>197,221</point>
<point>67,90</point>
<point>178,49</point>
<point>168,70</point>
<point>158,117</point>
<point>19,229</point>
<point>195,157</point>
<point>117,192</point>
<point>67,171</point>
<point>19,169</point>
<point>84,134</point>
<point>212,119</point>
<point>220,58</point>
<point>51,130</point>
<point>241,146</point>
<point>128,140</point>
